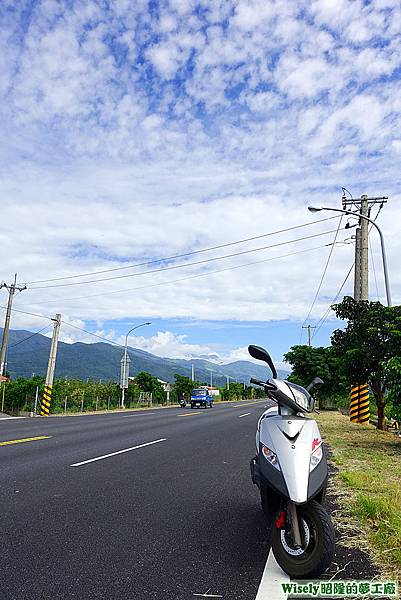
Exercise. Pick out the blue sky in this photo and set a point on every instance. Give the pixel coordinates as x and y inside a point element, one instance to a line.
<point>136,131</point>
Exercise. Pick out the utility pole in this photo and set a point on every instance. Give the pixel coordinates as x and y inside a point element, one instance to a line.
<point>51,365</point>
<point>357,267</point>
<point>124,375</point>
<point>228,381</point>
<point>359,401</point>
<point>193,372</point>
<point>361,281</point>
<point>11,291</point>
<point>364,248</point>
<point>309,328</point>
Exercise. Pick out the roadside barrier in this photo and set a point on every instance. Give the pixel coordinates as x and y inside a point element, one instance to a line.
<point>359,404</point>
<point>46,401</point>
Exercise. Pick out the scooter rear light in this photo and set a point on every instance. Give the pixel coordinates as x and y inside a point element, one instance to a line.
<point>271,457</point>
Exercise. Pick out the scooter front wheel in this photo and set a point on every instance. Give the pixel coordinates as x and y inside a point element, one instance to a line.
<point>318,543</point>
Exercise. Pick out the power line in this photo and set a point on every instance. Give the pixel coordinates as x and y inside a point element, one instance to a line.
<point>94,334</point>
<point>371,254</point>
<point>154,285</point>
<point>173,281</point>
<point>175,257</point>
<point>326,314</point>
<point>324,272</point>
<point>28,313</point>
<point>191,264</point>
<point>64,322</point>
<point>28,337</point>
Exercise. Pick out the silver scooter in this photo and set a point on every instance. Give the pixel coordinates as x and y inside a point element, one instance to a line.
<point>290,470</point>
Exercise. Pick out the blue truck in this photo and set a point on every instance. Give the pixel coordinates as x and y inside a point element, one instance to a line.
<point>201,397</point>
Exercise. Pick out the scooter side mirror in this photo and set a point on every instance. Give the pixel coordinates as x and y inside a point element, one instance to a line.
<point>262,354</point>
<point>314,383</point>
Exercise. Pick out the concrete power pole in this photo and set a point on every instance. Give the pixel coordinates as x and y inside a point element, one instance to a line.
<point>47,394</point>
<point>309,328</point>
<point>364,249</point>
<point>193,372</point>
<point>361,281</point>
<point>359,401</point>
<point>357,271</point>
<point>11,291</point>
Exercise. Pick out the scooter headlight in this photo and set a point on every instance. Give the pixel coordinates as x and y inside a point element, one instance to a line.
<point>315,457</point>
<point>271,457</point>
<point>301,399</point>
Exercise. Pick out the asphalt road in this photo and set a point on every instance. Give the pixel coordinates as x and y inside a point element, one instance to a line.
<point>168,520</point>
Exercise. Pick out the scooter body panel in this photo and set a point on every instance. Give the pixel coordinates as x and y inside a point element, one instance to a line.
<point>291,438</point>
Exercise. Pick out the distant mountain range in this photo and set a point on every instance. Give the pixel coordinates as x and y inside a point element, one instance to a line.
<point>29,354</point>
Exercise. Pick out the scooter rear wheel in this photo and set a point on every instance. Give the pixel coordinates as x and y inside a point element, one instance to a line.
<point>318,537</point>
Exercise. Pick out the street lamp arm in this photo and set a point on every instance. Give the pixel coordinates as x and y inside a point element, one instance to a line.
<point>346,212</point>
<point>132,329</point>
<point>359,216</point>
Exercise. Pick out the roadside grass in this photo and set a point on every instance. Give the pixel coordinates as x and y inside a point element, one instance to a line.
<point>369,480</point>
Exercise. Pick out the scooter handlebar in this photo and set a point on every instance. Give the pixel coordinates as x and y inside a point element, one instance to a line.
<point>266,384</point>
<point>257,382</point>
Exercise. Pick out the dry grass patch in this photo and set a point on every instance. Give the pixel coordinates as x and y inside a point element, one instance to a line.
<point>369,480</point>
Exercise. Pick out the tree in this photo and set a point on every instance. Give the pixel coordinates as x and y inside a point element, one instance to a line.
<point>183,386</point>
<point>372,337</point>
<point>234,392</point>
<point>392,373</point>
<point>148,383</point>
<point>20,393</point>
<point>308,362</point>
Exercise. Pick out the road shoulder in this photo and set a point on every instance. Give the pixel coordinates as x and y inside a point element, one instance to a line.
<point>364,465</point>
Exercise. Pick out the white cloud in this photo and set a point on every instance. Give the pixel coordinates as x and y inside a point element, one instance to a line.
<point>305,78</point>
<point>238,354</point>
<point>249,15</point>
<point>168,344</point>
<point>131,136</point>
<point>165,58</point>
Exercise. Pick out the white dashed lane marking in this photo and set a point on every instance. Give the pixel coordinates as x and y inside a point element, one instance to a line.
<point>90,460</point>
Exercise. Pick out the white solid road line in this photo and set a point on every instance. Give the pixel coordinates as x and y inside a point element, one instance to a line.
<point>85,462</point>
<point>10,418</point>
<point>245,415</point>
<point>272,578</point>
